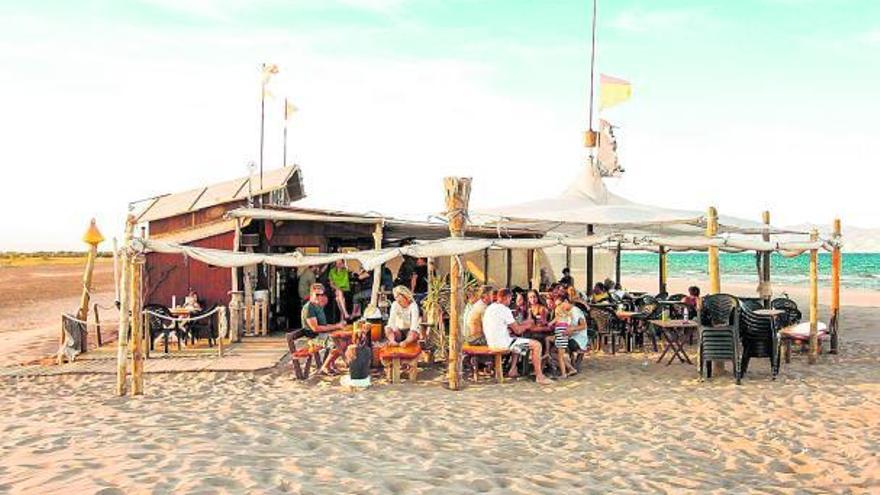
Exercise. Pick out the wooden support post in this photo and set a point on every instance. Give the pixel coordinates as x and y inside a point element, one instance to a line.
<point>236,246</point>
<point>137,337</point>
<point>124,294</point>
<point>509,269</point>
<point>711,231</point>
<point>458,192</point>
<point>377,272</point>
<point>222,329</point>
<point>530,267</point>
<point>535,281</point>
<point>814,300</point>
<point>662,271</point>
<point>486,266</point>
<point>568,257</point>
<point>589,267</point>
<point>617,276</point>
<point>835,288</point>
<point>766,294</point>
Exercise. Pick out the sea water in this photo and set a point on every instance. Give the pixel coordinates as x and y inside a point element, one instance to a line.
<point>859,270</point>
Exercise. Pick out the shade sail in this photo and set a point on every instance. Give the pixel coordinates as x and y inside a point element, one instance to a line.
<point>587,201</point>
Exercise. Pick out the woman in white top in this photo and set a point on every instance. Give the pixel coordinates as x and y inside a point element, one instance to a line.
<point>403,318</point>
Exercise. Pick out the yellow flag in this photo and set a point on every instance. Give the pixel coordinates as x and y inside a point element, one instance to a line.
<point>612,91</point>
<point>289,109</point>
<point>267,71</point>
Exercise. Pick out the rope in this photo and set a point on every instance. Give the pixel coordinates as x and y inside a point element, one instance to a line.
<point>183,319</point>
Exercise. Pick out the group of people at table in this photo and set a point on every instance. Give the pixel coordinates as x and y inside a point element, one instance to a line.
<point>523,322</point>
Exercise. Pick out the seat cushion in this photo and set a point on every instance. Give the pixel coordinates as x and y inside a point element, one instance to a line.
<point>482,350</point>
<point>410,352</point>
<point>801,331</point>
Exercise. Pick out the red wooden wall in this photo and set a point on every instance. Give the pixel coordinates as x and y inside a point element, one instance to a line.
<point>173,274</point>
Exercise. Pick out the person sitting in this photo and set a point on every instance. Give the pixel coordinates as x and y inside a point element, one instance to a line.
<point>600,293</point>
<point>191,301</point>
<point>520,306</point>
<point>315,323</point>
<point>359,357</point>
<point>499,323</point>
<point>566,280</point>
<point>571,333</point>
<point>403,319</point>
<point>473,326</point>
<point>537,312</point>
<point>364,293</point>
<point>692,301</point>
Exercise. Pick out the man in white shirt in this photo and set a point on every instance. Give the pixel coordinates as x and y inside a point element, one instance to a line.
<point>498,323</point>
<point>403,318</point>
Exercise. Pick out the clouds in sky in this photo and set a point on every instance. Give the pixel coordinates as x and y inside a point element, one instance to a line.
<point>105,105</point>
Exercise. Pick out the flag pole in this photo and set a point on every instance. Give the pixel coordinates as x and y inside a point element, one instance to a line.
<point>262,127</point>
<point>284,159</point>
<point>592,70</point>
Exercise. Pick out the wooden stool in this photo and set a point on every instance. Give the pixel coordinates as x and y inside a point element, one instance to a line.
<point>297,356</point>
<point>474,352</point>
<point>393,357</point>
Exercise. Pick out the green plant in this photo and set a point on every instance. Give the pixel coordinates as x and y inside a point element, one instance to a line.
<point>435,307</point>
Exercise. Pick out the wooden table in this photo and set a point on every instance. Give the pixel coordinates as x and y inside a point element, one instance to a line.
<point>672,332</point>
<point>626,315</point>
<point>177,312</point>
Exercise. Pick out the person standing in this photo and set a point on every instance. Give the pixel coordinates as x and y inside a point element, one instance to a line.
<point>340,281</point>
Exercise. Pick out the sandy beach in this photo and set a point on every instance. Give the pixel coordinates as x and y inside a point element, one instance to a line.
<point>625,424</point>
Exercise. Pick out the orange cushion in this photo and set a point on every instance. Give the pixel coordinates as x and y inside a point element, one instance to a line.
<point>482,350</point>
<point>341,334</point>
<point>302,353</point>
<point>410,352</point>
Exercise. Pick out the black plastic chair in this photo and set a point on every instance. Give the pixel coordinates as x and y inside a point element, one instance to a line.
<point>719,333</point>
<point>204,327</point>
<point>792,313</point>
<point>649,309</point>
<point>159,326</point>
<point>608,327</point>
<point>760,339</point>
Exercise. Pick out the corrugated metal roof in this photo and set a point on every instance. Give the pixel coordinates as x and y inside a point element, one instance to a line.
<point>225,192</point>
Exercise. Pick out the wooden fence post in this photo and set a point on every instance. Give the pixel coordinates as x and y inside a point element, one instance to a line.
<point>458,192</point>
<point>137,337</point>
<point>124,294</point>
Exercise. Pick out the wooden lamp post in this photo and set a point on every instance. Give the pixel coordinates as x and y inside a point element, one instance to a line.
<point>711,231</point>
<point>458,193</point>
<point>92,237</point>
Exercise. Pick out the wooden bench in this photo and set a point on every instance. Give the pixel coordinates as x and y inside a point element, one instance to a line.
<point>395,357</point>
<point>800,334</point>
<point>474,352</point>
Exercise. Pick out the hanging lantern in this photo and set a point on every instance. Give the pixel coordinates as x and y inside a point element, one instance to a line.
<point>590,138</point>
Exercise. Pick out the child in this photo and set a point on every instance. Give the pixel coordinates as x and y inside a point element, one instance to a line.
<point>570,329</point>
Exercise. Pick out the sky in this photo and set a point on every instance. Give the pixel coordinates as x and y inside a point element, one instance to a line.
<point>746,105</point>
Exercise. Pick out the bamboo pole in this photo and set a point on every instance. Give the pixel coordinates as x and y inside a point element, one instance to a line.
<point>835,288</point>
<point>711,231</point>
<point>137,338</point>
<point>814,300</point>
<point>662,271</point>
<point>124,294</point>
<point>568,257</point>
<point>535,281</point>
<point>765,262</point>
<point>458,192</point>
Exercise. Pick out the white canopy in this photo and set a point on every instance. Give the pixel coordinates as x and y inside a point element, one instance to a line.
<point>589,202</point>
<point>459,246</point>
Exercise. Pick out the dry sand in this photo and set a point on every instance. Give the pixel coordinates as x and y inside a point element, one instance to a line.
<point>622,425</point>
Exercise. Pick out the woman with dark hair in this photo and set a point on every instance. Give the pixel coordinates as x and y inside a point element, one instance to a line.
<point>537,311</point>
